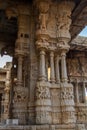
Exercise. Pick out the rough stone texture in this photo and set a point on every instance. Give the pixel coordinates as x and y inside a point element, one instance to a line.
<point>48,85</point>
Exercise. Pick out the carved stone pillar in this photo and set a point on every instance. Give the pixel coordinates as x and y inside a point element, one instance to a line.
<point>43,99</point>
<point>21,52</point>
<point>42,65</point>
<point>2,109</point>
<point>84,93</point>
<point>57,69</point>
<point>20,95</point>
<point>52,71</point>
<point>66,91</point>
<point>6,104</point>
<point>63,67</point>
<point>7,96</point>
<point>19,71</point>
<point>77,93</point>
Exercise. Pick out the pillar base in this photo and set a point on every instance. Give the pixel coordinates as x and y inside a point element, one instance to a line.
<point>43,103</point>
<point>20,104</point>
<point>67,103</point>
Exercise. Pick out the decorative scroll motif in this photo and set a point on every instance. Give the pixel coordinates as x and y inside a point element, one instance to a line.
<point>42,92</point>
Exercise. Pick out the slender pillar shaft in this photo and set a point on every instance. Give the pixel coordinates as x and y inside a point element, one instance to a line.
<point>63,67</point>
<point>42,65</point>
<point>47,68</point>
<point>57,69</point>
<point>19,73</point>
<point>77,93</point>
<point>84,92</point>
<point>52,71</point>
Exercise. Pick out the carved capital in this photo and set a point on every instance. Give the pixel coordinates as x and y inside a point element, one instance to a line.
<point>42,5</point>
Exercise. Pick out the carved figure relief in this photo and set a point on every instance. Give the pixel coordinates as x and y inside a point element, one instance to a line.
<point>43,14</point>
<point>64,22</point>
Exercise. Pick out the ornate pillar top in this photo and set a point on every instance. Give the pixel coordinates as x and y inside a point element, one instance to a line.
<point>64,20</point>
<point>42,5</point>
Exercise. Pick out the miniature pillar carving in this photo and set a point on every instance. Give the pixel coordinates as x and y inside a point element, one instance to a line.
<point>63,67</point>
<point>42,65</point>
<point>77,93</point>
<point>52,71</point>
<point>57,69</point>
<point>84,93</point>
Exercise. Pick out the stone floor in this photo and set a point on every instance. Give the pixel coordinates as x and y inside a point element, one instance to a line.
<point>38,127</point>
<point>44,127</point>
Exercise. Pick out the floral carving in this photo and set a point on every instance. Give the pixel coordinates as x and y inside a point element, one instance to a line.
<point>67,93</point>
<point>42,92</point>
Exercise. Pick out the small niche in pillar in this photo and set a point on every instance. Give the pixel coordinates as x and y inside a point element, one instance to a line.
<point>21,35</point>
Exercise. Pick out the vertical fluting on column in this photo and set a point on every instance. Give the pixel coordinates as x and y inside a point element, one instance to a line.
<point>52,71</point>
<point>42,65</point>
<point>57,71</point>
<point>84,93</point>
<point>63,67</point>
<point>77,92</point>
